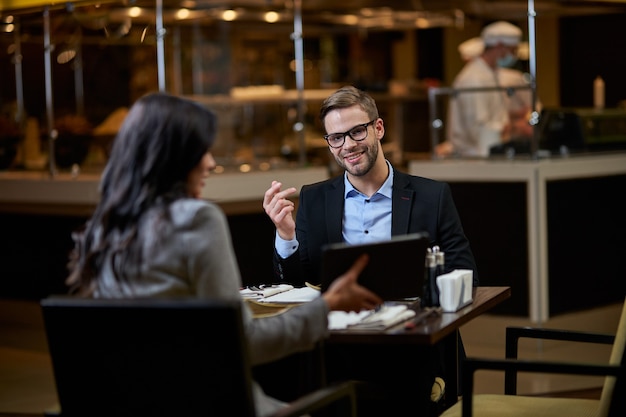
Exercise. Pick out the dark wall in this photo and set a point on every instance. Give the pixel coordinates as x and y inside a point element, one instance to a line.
<point>592,46</point>
<point>34,252</point>
<point>586,240</point>
<point>494,219</point>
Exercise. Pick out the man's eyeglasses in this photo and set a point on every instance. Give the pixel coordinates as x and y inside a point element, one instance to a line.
<point>357,133</point>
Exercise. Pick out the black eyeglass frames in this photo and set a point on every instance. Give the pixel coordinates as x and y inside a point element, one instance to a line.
<point>357,133</point>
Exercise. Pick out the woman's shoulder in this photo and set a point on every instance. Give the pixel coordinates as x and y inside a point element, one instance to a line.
<point>189,210</point>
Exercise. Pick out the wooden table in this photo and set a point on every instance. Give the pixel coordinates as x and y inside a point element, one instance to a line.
<point>431,330</point>
<point>397,356</point>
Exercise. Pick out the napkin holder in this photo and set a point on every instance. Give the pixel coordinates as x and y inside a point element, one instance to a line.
<point>455,289</point>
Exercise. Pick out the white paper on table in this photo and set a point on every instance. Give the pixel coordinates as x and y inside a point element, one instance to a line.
<point>265,291</point>
<point>381,319</point>
<point>295,295</point>
<point>339,320</point>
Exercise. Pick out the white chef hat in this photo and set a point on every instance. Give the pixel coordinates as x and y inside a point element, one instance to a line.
<point>471,48</point>
<point>501,32</point>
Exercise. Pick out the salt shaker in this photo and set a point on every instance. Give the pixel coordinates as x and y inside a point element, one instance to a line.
<point>430,280</point>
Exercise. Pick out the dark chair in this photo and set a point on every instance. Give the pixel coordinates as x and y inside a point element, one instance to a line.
<point>612,402</point>
<point>160,357</point>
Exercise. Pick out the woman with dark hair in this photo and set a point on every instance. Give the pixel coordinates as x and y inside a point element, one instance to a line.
<point>152,236</point>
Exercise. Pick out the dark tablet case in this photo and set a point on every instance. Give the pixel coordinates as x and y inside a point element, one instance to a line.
<point>395,270</point>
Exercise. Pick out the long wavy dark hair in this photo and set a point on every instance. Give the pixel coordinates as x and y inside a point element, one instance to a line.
<point>162,139</point>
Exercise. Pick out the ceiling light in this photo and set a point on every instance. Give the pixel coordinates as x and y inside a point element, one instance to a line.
<point>182,14</point>
<point>350,19</point>
<point>271,17</point>
<point>229,15</point>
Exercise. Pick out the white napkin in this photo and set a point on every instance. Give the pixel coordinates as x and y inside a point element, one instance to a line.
<point>295,296</point>
<point>381,319</point>
<point>455,289</point>
<point>263,292</point>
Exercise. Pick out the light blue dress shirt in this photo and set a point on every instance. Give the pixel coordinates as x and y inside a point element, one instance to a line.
<point>365,219</point>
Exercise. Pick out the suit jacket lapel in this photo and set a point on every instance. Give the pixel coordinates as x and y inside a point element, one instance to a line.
<point>334,209</point>
<point>401,203</point>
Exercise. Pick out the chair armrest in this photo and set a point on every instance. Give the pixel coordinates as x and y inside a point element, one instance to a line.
<point>343,394</point>
<point>471,365</point>
<point>513,334</point>
<point>7,414</point>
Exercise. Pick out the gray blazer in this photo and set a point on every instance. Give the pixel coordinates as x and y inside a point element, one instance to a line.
<point>194,256</point>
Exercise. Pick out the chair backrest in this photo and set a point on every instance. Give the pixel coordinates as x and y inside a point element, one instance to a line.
<point>148,357</point>
<point>613,398</point>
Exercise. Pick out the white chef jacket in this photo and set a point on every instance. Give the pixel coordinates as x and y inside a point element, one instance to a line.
<point>521,98</point>
<point>476,119</point>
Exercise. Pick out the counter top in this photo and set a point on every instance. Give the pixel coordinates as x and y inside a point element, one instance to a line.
<point>505,170</point>
<point>38,192</point>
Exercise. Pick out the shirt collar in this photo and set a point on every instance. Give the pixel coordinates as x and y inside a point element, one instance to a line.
<point>384,190</point>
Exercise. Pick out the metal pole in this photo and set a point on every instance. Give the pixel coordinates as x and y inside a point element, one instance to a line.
<point>19,85</point>
<point>534,117</point>
<point>196,61</point>
<point>78,76</point>
<point>299,58</point>
<point>52,133</point>
<point>20,116</point>
<point>538,287</point>
<point>436,123</point>
<point>160,34</point>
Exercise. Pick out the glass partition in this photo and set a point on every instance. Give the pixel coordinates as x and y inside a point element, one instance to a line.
<point>71,70</point>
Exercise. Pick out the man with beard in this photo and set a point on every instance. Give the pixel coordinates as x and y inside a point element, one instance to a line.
<point>370,202</point>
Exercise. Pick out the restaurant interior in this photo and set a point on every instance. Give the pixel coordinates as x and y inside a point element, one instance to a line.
<point>548,224</point>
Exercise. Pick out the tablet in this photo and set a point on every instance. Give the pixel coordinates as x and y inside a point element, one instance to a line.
<point>395,270</point>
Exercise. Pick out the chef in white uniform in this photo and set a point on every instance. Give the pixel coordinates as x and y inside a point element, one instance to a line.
<point>520,104</point>
<point>479,120</point>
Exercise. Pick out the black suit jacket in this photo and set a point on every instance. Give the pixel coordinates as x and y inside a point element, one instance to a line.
<point>418,204</point>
